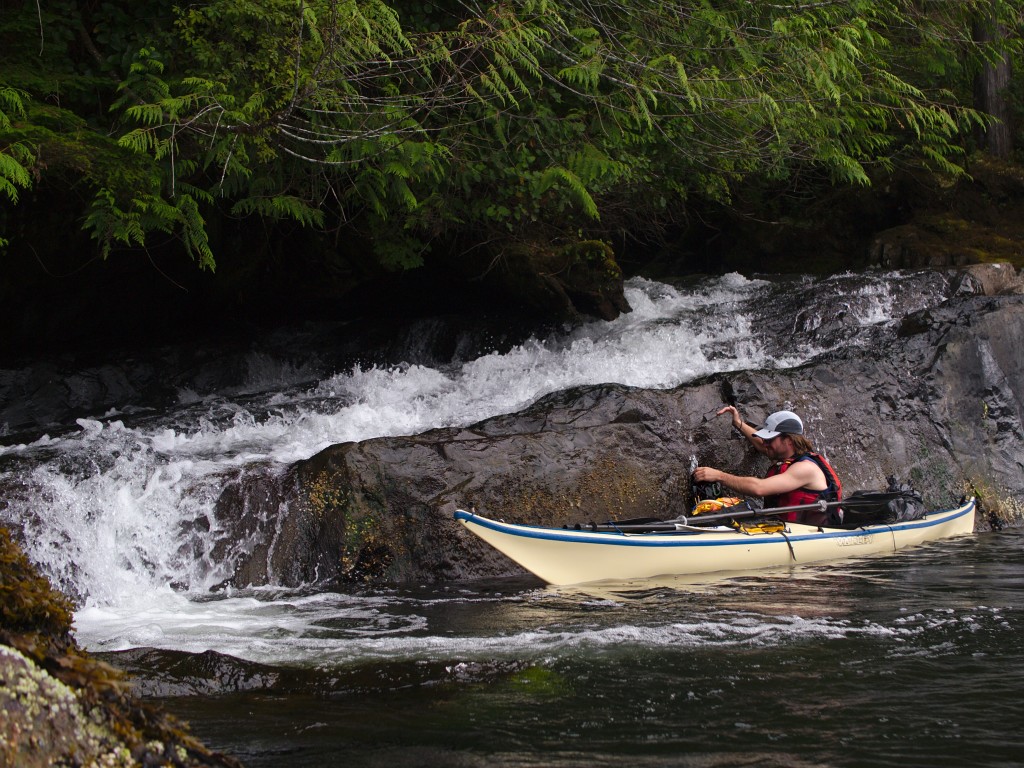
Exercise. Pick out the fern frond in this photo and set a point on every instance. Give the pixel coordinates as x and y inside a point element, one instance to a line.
<point>193,231</point>
<point>555,176</point>
<point>280,207</point>
<point>14,174</point>
<point>12,102</point>
<point>107,223</point>
<point>146,114</point>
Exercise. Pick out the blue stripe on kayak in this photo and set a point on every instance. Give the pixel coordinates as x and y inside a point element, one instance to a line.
<point>686,539</point>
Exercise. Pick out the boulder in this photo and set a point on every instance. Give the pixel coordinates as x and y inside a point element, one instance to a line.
<point>937,402</point>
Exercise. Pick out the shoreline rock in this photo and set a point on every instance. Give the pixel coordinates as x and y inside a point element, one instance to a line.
<point>59,706</point>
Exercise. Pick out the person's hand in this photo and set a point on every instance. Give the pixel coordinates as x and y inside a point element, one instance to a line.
<point>737,420</point>
<point>707,475</point>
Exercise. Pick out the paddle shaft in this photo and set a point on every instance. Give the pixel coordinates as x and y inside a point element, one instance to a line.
<point>820,506</point>
<point>676,523</point>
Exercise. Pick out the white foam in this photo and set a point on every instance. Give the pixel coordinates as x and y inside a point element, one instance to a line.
<point>109,509</point>
<point>334,630</point>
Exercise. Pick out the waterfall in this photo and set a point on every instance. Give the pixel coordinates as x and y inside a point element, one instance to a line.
<point>118,507</point>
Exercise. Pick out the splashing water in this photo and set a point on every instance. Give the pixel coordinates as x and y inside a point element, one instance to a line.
<point>120,511</point>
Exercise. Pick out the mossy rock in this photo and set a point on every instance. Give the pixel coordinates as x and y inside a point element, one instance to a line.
<point>28,604</point>
<point>58,706</point>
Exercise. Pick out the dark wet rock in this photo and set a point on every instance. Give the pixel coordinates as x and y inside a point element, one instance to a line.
<point>50,393</point>
<point>166,674</point>
<point>937,401</point>
<point>157,673</point>
<point>558,283</point>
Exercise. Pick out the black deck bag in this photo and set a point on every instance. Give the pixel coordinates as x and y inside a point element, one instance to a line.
<point>702,491</point>
<point>899,504</point>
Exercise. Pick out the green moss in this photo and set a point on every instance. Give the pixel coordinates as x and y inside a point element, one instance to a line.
<point>596,256</point>
<point>367,548</point>
<point>1000,507</point>
<point>945,224</point>
<point>538,681</point>
<point>28,604</point>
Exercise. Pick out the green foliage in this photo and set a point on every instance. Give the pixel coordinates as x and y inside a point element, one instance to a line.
<point>109,223</point>
<point>15,156</point>
<point>411,123</point>
<point>280,207</point>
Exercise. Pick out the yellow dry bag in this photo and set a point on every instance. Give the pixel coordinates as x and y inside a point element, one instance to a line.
<point>715,505</point>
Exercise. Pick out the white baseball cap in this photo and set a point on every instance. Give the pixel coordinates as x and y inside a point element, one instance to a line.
<point>781,422</point>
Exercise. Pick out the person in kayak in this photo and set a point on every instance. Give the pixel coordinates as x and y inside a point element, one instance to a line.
<point>798,474</point>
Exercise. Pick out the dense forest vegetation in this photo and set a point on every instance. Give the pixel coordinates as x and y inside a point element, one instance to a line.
<point>318,144</point>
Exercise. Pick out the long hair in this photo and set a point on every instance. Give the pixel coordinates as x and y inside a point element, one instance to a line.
<point>801,444</point>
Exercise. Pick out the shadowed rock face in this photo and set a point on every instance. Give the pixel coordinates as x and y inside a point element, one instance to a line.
<point>937,402</point>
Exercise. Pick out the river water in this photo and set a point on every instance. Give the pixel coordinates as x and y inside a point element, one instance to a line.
<point>914,659</point>
<point>911,660</point>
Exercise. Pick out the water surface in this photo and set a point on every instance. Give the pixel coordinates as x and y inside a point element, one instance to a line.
<point>913,659</point>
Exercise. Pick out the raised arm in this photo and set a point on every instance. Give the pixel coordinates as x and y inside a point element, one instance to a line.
<point>742,427</point>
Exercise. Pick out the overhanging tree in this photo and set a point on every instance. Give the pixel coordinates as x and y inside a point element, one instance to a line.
<point>411,123</point>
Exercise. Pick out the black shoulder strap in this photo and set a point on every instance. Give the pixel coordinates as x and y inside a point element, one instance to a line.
<point>830,474</point>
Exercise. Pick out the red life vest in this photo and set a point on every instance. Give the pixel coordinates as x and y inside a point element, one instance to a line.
<point>832,492</point>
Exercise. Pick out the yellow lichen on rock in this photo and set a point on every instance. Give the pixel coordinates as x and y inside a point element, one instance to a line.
<point>44,723</point>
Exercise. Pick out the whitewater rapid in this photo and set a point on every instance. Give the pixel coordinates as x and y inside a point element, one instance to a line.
<point>118,508</point>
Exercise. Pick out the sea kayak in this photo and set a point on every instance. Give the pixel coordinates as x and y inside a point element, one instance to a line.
<point>569,556</point>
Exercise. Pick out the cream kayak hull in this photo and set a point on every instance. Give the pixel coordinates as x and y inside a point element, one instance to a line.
<point>565,556</point>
